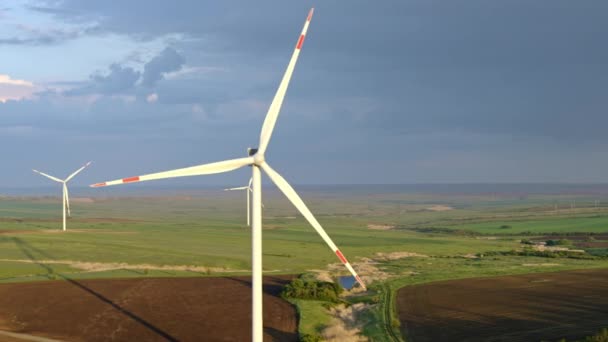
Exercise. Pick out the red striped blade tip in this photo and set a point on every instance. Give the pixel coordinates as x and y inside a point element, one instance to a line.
<point>312,10</point>
<point>130,179</point>
<point>97,185</point>
<point>300,42</point>
<point>341,256</point>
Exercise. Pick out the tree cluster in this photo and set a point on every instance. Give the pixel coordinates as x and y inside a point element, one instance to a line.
<point>312,289</point>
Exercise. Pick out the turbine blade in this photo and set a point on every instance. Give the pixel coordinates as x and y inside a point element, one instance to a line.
<point>67,199</point>
<point>48,176</point>
<point>275,106</point>
<point>205,169</point>
<point>77,172</point>
<point>291,194</point>
<point>239,188</point>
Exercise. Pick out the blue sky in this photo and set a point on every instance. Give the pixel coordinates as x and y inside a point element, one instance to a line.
<point>384,92</point>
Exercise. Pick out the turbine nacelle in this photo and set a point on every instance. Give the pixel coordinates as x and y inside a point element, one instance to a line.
<point>258,158</point>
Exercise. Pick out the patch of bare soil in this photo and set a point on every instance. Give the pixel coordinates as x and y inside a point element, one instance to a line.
<point>556,249</point>
<point>59,231</point>
<point>58,219</point>
<point>532,307</point>
<point>107,219</point>
<point>440,208</point>
<point>380,226</point>
<point>16,232</point>
<point>345,325</point>
<point>168,309</point>
<point>88,266</point>
<point>541,264</point>
<point>398,255</point>
<point>367,268</point>
<point>96,231</point>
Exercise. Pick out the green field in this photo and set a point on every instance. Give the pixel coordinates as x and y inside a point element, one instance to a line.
<point>204,234</point>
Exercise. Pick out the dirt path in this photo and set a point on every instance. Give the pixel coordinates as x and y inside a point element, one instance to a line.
<point>89,266</point>
<point>168,309</point>
<point>532,307</point>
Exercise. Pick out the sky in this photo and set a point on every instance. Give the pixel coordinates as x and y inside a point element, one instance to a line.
<point>409,91</point>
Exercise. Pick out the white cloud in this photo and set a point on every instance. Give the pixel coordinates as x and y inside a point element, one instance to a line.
<point>6,79</point>
<point>193,72</point>
<point>11,89</point>
<point>152,98</point>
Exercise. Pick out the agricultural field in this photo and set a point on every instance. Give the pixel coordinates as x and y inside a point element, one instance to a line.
<point>394,236</point>
<point>531,307</point>
<point>146,309</point>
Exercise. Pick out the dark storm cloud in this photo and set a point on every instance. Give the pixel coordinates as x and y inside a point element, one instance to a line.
<point>519,67</point>
<point>525,68</point>
<point>119,80</point>
<point>167,61</point>
<point>421,90</point>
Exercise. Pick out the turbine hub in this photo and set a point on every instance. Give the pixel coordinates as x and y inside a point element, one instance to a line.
<point>258,159</point>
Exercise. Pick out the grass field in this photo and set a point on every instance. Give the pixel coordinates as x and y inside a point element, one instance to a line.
<point>204,234</point>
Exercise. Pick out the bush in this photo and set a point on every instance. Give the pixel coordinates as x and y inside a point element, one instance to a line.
<point>560,242</point>
<point>312,289</point>
<point>505,226</point>
<point>395,323</point>
<point>542,254</point>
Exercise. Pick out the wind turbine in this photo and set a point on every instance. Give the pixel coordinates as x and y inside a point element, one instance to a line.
<point>256,159</point>
<point>66,196</point>
<point>249,191</point>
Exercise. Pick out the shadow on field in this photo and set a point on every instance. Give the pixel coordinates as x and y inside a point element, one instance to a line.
<point>27,250</point>
<point>273,289</point>
<point>278,335</point>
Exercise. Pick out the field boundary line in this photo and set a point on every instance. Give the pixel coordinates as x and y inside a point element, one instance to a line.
<point>389,313</point>
<point>27,337</point>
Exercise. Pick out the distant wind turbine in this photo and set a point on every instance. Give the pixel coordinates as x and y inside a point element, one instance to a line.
<point>257,161</point>
<point>248,192</point>
<point>66,196</point>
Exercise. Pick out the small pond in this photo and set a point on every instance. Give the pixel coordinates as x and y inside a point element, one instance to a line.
<point>347,282</point>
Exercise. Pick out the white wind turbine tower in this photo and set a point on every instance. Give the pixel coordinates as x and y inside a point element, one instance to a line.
<point>66,197</point>
<point>257,161</point>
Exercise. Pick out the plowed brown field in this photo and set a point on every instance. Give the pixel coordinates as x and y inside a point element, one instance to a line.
<point>165,309</point>
<point>532,307</point>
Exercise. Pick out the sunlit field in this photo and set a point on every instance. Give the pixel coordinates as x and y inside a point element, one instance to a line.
<point>394,238</point>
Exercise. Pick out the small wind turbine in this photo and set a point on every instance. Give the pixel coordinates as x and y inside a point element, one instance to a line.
<point>249,191</point>
<point>257,161</point>
<point>66,196</point>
